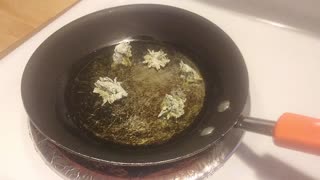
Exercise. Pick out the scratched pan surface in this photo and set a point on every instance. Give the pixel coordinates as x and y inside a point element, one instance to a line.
<point>134,119</point>
<point>218,59</point>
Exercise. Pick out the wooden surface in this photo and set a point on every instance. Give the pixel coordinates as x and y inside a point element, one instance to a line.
<point>19,19</point>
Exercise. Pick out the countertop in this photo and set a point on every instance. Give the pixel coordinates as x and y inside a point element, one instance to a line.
<point>21,19</point>
<point>284,76</point>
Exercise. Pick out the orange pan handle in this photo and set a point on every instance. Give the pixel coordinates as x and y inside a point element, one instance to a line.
<point>298,132</point>
<point>292,131</point>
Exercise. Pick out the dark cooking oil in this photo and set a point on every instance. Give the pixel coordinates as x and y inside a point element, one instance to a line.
<point>133,120</point>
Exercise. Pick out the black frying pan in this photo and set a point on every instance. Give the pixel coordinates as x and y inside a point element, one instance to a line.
<point>220,61</point>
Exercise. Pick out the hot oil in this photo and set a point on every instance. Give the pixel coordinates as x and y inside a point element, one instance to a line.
<point>133,120</point>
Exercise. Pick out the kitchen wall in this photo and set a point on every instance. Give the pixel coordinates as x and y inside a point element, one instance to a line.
<point>299,14</point>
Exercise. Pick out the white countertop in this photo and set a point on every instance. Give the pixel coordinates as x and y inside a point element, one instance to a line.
<point>284,75</point>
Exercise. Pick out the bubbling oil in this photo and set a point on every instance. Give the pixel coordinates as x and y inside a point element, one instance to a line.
<point>133,120</point>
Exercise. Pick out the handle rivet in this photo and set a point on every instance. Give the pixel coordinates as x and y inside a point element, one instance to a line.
<point>206,131</point>
<point>223,106</point>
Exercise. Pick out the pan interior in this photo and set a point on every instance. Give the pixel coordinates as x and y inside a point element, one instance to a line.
<point>133,120</point>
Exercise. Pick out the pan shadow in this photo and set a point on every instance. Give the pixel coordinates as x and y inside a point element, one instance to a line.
<point>268,167</point>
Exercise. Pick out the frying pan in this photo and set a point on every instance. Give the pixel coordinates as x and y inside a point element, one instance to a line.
<point>218,58</point>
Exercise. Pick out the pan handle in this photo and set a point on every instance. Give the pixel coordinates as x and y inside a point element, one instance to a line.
<point>292,131</point>
<point>256,125</point>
